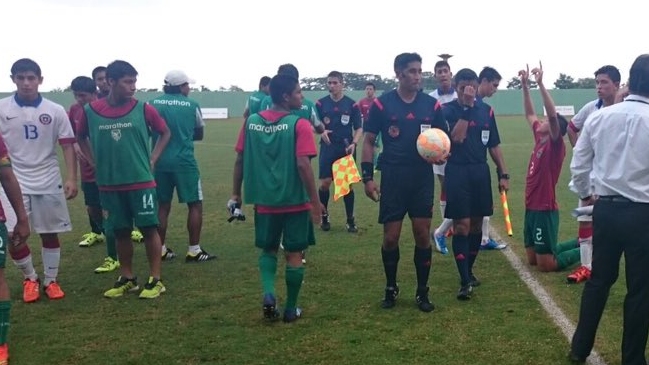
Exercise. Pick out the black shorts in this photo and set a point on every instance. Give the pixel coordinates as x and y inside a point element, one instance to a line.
<point>406,189</point>
<point>328,155</point>
<point>468,191</point>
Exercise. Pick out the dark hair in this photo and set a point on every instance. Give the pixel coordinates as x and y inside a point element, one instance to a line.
<point>264,81</point>
<point>118,69</point>
<point>288,69</point>
<point>639,76</point>
<point>370,84</point>
<point>97,70</point>
<point>401,61</point>
<point>611,71</point>
<point>25,65</point>
<point>336,74</point>
<point>490,74</point>
<point>440,64</point>
<point>281,85</point>
<point>83,84</point>
<point>168,89</point>
<point>465,74</point>
<point>563,124</point>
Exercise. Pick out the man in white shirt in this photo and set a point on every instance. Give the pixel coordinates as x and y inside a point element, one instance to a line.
<point>610,169</point>
<point>31,127</point>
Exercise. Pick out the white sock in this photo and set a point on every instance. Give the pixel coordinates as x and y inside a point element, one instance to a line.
<point>485,230</point>
<point>586,252</point>
<point>442,207</point>
<point>194,250</point>
<point>27,267</point>
<point>51,260</point>
<point>444,227</point>
<point>164,249</point>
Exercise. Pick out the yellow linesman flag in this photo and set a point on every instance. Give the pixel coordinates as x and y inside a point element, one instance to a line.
<point>345,173</point>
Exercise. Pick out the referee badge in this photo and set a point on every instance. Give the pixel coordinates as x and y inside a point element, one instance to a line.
<point>344,119</point>
<point>393,131</point>
<point>485,137</point>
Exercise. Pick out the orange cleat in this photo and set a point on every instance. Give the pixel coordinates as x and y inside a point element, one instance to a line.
<point>581,274</point>
<point>31,290</point>
<point>54,291</point>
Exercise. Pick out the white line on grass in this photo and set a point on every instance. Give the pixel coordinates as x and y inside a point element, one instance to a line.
<point>550,306</point>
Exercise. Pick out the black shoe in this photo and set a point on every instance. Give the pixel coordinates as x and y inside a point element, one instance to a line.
<point>270,308</point>
<point>474,281</point>
<point>465,292</point>
<point>292,315</point>
<point>325,225</point>
<point>576,359</point>
<point>351,226</point>
<point>168,255</point>
<point>422,301</point>
<point>391,294</point>
<point>201,256</point>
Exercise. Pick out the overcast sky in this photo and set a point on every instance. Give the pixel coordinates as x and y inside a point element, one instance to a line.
<point>233,42</point>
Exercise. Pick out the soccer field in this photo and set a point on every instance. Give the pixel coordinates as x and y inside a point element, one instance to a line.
<point>211,312</point>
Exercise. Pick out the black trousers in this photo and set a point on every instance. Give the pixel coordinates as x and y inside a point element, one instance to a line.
<point>619,227</point>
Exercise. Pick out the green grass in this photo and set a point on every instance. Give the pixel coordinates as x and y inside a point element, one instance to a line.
<point>211,312</point>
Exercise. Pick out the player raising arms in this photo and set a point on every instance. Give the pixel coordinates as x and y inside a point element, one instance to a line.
<point>541,228</point>
<point>31,127</point>
<point>113,133</point>
<point>253,104</point>
<point>407,181</point>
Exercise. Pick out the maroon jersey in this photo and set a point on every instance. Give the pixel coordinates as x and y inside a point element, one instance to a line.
<point>364,105</point>
<point>543,171</point>
<point>87,172</point>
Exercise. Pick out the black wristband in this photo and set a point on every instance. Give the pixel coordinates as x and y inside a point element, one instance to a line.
<point>367,171</point>
<point>466,114</point>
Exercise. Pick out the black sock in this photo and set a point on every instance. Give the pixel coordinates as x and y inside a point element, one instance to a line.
<point>461,253</point>
<point>95,226</point>
<point>423,259</point>
<point>324,197</point>
<point>390,264</point>
<point>474,248</point>
<point>349,205</point>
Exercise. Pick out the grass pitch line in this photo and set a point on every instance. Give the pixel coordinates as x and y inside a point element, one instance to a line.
<point>557,315</point>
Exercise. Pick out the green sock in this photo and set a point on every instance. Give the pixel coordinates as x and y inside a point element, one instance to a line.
<point>294,278</point>
<point>565,246</point>
<point>111,248</point>
<point>267,270</point>
<point>5,308</point>
<point>568,258</point>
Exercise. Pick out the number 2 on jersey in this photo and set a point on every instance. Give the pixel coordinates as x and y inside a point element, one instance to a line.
<point>147,201</point>
<point>31,131</point>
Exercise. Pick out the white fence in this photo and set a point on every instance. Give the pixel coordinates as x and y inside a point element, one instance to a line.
<point>214,113</point>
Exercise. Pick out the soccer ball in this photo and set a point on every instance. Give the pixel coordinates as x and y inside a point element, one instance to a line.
<point>433,145</point>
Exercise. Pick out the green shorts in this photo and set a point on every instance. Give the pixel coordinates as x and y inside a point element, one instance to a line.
<point>294,229</point>
<point>186,183</point>
<point>4,243</point>
<point>541,230</point>
<point>90,194</point>
<point>122,209</point>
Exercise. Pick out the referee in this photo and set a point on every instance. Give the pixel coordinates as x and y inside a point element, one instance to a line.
<point>613,147</point>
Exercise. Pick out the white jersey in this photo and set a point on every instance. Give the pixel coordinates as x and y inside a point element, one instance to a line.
<point>444,98</point>
<point>31,134</point>
<point>577,123</point>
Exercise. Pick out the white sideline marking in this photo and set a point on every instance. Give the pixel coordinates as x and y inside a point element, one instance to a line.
<point>550,306</point>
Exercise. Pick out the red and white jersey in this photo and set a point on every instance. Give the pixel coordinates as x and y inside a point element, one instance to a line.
<point>31,133</point>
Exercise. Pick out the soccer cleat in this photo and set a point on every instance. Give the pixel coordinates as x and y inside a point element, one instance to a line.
<point>53,291</point>
<point>201,256</point>
<point>325,225</point>
<point>292,315</point>
<point>303,257</point>
<point>474,281</point>
<point>440,243</point>
<point>109,265</point>
<point>582,273</point>
<point>351,225</point>
<point>31,290</point>
<point>269,307</point>
<point>91,238</point>
<point>168,254</point>
<point>492,245</point>
<point>465,292</point>
<point>152,289</point>
<point>121,287</point>
<point>423,302</point>
<point>391,295</point>
<point>4,354</point>
<point>136,236</point>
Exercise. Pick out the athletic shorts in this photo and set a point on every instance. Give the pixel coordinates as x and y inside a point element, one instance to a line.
<point>91,194</point>
<point>468,191</point>
<point>123,209</point>
<point>4,243</point>
<point>406,189</point>
<point>439,169</point>
<point>186,183</point>
<point>328,155</point>
<point>47,213</point>
<point>541,230</point>
<point>294,230</point>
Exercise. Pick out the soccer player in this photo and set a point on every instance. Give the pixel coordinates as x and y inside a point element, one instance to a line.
<point>85,91</point>
<point>177,167</point>
<point>365,104</point>
<point>343,124</point>
<point>467,177</point>
<point>99,76</point>
<point>31,126</point>
<point>407,181</point>
<point>253,104</point>
<point>445,93</point>
<point>607,79</point>
<point>283,208</point>
<point>541,228</point>
<point>114,132</point>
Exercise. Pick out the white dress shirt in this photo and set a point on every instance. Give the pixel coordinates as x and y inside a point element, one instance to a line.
<point>614,147</point>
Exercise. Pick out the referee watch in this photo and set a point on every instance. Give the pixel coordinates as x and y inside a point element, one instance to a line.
<point>503,176</point>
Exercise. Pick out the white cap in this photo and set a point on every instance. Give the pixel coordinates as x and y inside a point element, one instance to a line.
<point>177,78</point>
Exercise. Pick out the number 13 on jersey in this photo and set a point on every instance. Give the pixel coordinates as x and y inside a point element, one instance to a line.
<point>31,131</point>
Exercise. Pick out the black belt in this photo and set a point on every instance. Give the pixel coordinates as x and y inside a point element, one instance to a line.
<point>614,199</point>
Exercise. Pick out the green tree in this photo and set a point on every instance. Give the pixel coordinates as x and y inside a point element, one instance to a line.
<point>565,82</point>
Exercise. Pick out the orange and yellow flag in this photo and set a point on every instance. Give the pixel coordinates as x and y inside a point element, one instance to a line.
<point>345,173</point>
